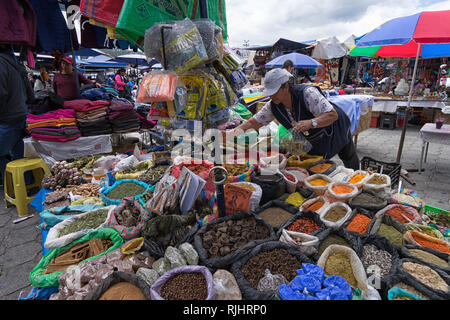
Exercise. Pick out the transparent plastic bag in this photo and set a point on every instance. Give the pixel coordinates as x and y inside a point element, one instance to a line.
<point>270,282</point>
<point>294,142</point>
<point>184,48</point>
<point>212,37</point>
<point>158,86</point>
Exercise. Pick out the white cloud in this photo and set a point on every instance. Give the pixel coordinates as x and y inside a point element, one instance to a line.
<point>264,22</point>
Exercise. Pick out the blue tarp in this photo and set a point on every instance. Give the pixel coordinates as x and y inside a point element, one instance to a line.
<point>352,106</point>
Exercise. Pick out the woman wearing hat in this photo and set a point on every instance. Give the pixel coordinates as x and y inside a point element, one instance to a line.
<point>65,83</point>
<point>305,109</point>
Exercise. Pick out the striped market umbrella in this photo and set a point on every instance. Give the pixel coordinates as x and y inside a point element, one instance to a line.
<point>419,33</point>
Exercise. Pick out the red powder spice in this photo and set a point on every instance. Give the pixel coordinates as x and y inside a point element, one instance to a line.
<point>359,223</point>
<point>303,225</point>
<point>397,212</point>
<point>316,206</point>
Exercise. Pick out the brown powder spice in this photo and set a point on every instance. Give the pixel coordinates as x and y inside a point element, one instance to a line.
<point>426,275</point>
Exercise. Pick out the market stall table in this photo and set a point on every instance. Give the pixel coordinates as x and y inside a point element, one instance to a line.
<point>430,133</point>
<point>83,146</point>
<point>390,105</point>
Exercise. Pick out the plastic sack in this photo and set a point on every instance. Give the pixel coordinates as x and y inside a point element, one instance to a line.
<point>256,195</point>
<point>225,286</point>
<point>308,244</point>
<point>115,278</point>
<point>396,292</point>
<point>40,280</point>
<point>271,164</point>
<point>319,190</point>
<point>355,202</point>
<point>411,211</point>
<point>290,185</point>
<point>357,266</point>
<point>343,197</point>
<point>196,95</point>
<point>106,191</point>
<point>53,216</point>
<point>360,183</point>
<point>211,36</point>
<point>184,48</point>
<point>444,264</point>
<point>270,282</point>
<point>340,173</point>
<point>155,290</point>
<point>408,198</point>
<point>157,86</point>
<point>299,173</point>
<point>108,162</point>
<point>128,233</point>
<point>126,163</point>
<point>340,222</point>
<point>378,187</point>
<point>413,237</point>
<point>248,291</point>
<point>310,202</point>
<point>53,239</point>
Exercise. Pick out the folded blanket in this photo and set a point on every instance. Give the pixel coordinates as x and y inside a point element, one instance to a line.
<point>82,105</point>
<point>119,105</point>
<point>55,139</point>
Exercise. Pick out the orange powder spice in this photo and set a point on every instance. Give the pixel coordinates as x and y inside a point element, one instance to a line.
<point>357,178</point>
<point>397,212</point>
<point>339,189</point>
<point>318,182</point>
<point>316,205</point>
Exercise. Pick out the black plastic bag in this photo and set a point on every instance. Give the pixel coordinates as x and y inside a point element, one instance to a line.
<point>383,244</point>
<point>306,193</point>
<point>353,239</point>
<point>367,206</point>
<point>278,204</point>
<point>306,214</point>
<point>388,220</point>
<point>362,211</point>
<point>273,186</point>
<point>224,262</point>
<point>169,230</point>
<point>248,291</point>
<point>406,278</point>
<point>444,275</point>
<point>117,277</point>
<point>404,253</point>
<point>326,172</point>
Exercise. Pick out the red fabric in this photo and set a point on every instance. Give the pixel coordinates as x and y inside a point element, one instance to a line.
<point>341,92</point>
<point>83,105</point>
<point>105,11</point>
<point>65,85</point>
<point>433,27</point>
<point>17,28</point>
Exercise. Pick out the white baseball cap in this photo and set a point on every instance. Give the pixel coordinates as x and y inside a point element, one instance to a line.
<point>274,79</point>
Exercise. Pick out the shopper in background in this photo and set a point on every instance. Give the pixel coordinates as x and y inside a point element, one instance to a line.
<point>342,90</point>
<point>65,82</point>
<point>121,83</point>
<point>288,65</point>
<point>15,92</point>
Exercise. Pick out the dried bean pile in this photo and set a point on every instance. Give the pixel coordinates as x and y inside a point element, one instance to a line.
<point>371,255</point>
<point>228,236</point>
<point>185,286</point>
<point>278,261</point>
<point>426,275</point>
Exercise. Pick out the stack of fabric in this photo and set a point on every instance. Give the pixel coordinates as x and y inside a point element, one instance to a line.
<point>92,116</point>
<point>58,125</point>
<point>142,111</point>
<point>123,117</point>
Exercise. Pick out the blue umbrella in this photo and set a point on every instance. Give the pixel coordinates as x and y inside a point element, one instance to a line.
<point>299,60</point>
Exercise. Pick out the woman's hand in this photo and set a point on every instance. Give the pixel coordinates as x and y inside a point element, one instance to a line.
<point>303,125</point>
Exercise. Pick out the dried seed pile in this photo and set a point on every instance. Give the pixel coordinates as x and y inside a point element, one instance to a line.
<point>371,255</point>
<point>426,275</point>
<point>185,286</point>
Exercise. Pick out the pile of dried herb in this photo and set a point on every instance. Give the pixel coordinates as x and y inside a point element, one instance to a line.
<point>89,221</point>
<point>339,264</point>
<point>126,190</point>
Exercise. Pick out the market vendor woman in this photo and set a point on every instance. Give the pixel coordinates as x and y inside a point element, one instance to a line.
<point>305,109</point>
<point>65,83</point>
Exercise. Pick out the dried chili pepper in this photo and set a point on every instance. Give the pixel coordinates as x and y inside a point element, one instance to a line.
<point>304,225</point>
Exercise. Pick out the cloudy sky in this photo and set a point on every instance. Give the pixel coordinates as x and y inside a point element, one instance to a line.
<point>262,22</point>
